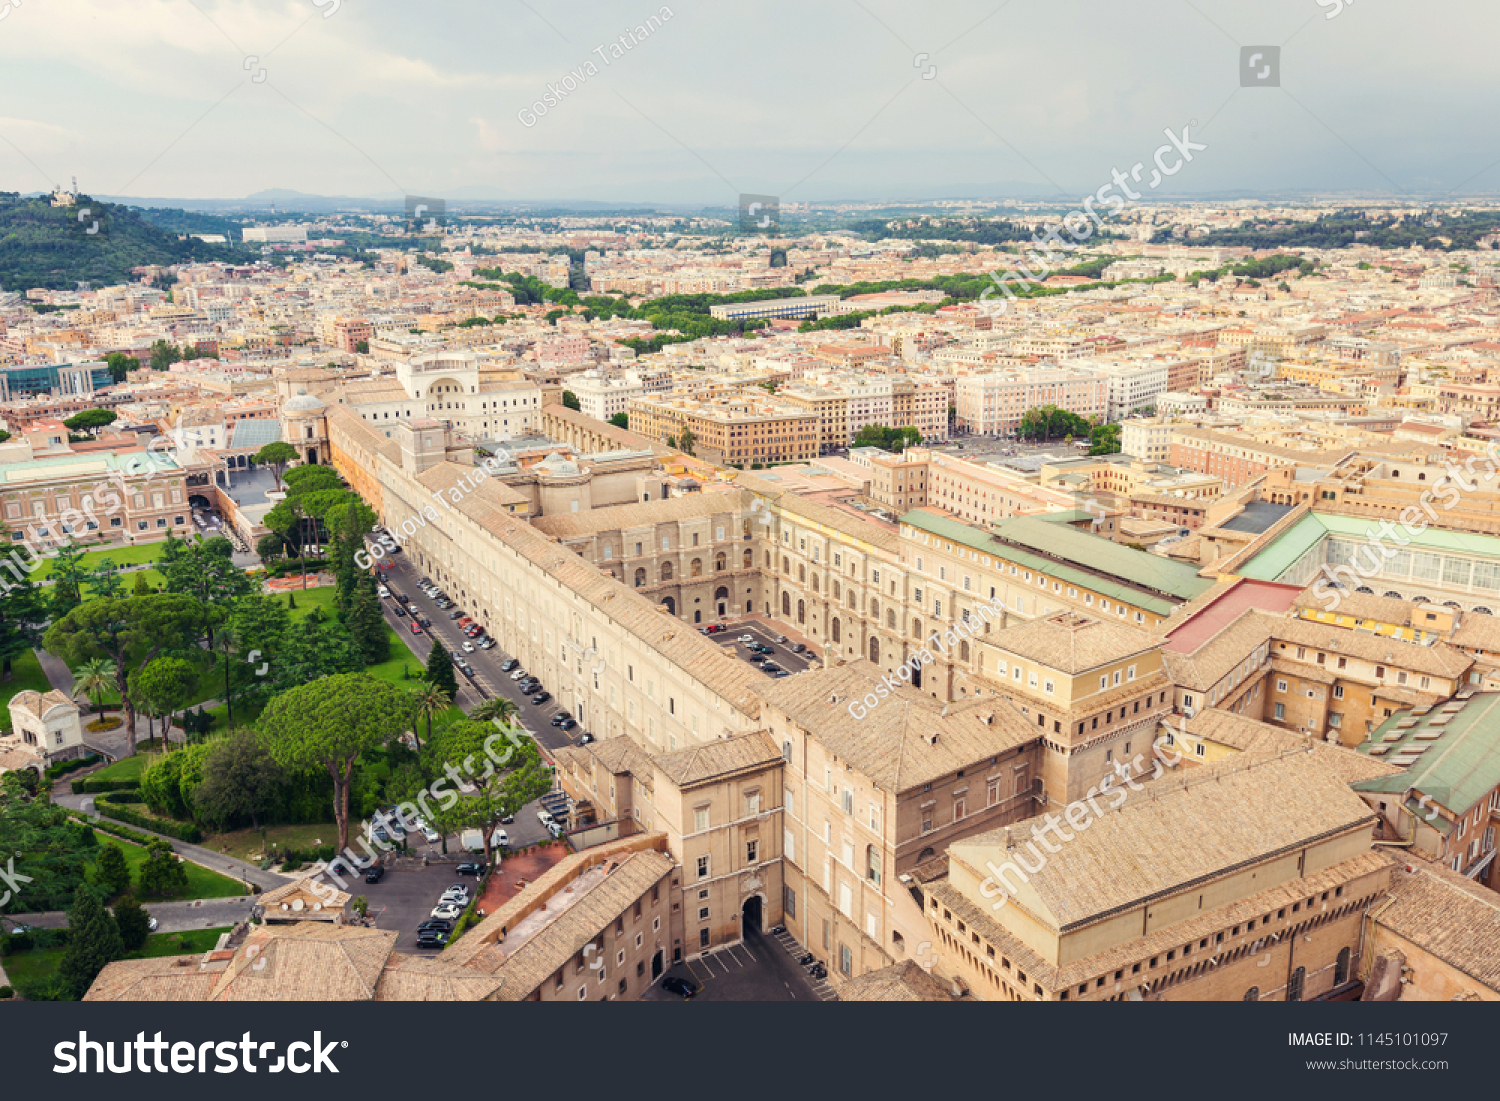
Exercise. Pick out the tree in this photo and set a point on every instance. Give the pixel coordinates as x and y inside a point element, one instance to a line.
<point>43,844</point>
<point>275,455</point>
<point>496,707</point>
<point>362,347</point>
<point>429,700</point>
<point>440,670</point>
<point>204,573</point>
<point>329,723</point>
<point>68,577</point>
<point>95,678</point>
<point>258,623</point>
<point>270,547</point>
<point>133,922</point>
<point>91,420</point>
<point>499,789</point>
<point>104,579</point>
<point>366,622</point>
<point>120,365</point>
<point>620,420</point>
<point>163,354</point>
<point>311,479</point>
<point>111,872</point>
<point>162,874</point>
<point>163,687</point>
<point>240,780</point>
<point>319,647</point>
<point>140,588</point>
<point>570,400</point>
<point>129,631</point>
<point>23,614</point>
<point>93,942</point>
<point>686,440</point>
<point>286,520</point>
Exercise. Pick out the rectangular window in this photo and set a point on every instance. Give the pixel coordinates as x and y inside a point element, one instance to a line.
<point>703,867</point>
<point>752,852</point>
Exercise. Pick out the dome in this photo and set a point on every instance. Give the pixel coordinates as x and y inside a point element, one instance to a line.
<point>556,464</point>
<point>304,403</point>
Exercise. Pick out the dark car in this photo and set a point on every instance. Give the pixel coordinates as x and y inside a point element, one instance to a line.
<point>401,597</point>
<point>585,738</point>
<point>799,649</point>
<point>557,720</point>
<point>423,620</point>
<point>781,673</point>
<point>375,874</point>
<point>472,867</point>
<point>456,613</point>
<point>508,664</point>
<point>398,609</point>
<point>541,697</point>
<point>682,987</point>
<point>771,667</point>
<point>432,938</point>
<point>567,724</point>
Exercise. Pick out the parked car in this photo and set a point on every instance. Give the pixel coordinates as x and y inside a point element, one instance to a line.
<point>559,717</point>
<point>508,664</point>
<point>430,835</point>
<point>401,597</point>
<point>416,630</point>
<point>566,724</point>
<point>747,639</point>
<point>545,818</point>
<point>472,867</point>
<point>432,938</point>
<point>585,738</point>
<point>518,673</point>
<point>799,649</point>
<point>435,923</point>
<point>468,647</point>
<point>781,673</point>
<point>423,620</point>
<point>681,987</point>
<point>455,613</point>
<point>457,898</point>
<point>375,874</point>
<point>499,840</point>
<point>384,592</point>
<point>555,830</point>
<point>772,667</point>
<point>781,638</point>
<point>398,609</point>
<point>487,644</point>
<point>448,910</point>
<point>541,697</point>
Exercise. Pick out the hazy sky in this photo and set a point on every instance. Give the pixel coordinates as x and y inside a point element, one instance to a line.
<point>810,100</point>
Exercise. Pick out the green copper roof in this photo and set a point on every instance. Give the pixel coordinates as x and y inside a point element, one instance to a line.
<point>1078,557</point>
<point>1452,753</point>
<point>1281,553</point>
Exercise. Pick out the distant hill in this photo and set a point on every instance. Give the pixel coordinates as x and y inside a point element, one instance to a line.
<point>46,246</point>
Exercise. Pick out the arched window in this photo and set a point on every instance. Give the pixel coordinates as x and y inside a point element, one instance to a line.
<point>963,651</point>
<point>802,573</point>
<point>916,628</point>
<point>670,603</point>
<point>890,618</point>
<point>719,563</point>
<point>835,627</point>
<point>1294,985</point>
<point>875,649</point>
<point>801,612</point>
<point>786,604</point>
<point>837,592</point>
<point>1253,994</point>
<point>640,578</point>
<point>696,569</point>
<point>749,559</point>
<point>786,564</point>
<point>666,571</point>
<point>1341,968</point>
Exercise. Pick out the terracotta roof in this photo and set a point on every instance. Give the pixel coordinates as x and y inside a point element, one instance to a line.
<point>310,961</point>
<point>647,514</point>
<point>890,743</point>
<point>164,979</point>
<point>901,982</point>
<point>1073,642</point>
<point>430,979</point>
<point>1452,917</point>
<point>37,704</point>
<point>1239,811</point>
<point>699,764</point>
<point>1440,658</point>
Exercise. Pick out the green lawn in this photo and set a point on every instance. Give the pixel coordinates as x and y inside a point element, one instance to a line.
<point>39,964</point>
<point>120,556</point>
<point>244,844</point>
<point>25,673</point>
<point>202,883</point>
<point>128,769</point>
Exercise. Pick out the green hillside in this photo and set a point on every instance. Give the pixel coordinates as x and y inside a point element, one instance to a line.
<point>46,246</point>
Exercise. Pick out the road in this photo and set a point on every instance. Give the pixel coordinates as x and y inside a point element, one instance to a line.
<point>488,680</point>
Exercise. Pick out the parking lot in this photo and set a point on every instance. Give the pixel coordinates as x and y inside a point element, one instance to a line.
<point>758,969</point>
<point>405,898</point>
<point>781,654</point>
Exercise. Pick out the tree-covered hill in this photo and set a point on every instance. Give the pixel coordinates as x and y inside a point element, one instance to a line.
<point>46,246</point>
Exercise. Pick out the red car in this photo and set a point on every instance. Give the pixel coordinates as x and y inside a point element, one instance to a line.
<point>416,629</point>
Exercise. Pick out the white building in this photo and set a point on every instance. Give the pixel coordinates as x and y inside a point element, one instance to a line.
<point>1146,438</point>
<point>995,403</point>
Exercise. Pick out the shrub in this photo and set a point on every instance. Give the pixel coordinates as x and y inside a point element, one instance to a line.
<point>62,768</point>
<point>108,723</point>
<point>180,830</point>
<point>90,786</point>
<point>133,921</point>
<point>6,993</point>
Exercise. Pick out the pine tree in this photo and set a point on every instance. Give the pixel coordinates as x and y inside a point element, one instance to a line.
<point>291,600</point>
<point>162,874</point>
<point>133,922</point>
<point>141,588</point>
<point>367,622</point>
<point>440,670</point>
<point>111,870</point>
<point>93,942</point>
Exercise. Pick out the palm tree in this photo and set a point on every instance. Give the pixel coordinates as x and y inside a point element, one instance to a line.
<point>226,642</point>
<point>496,707</point>
<point>95,679</point>
<point>429,700</point>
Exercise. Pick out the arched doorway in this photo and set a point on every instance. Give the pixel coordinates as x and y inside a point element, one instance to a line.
<point>721,599</point>
<point>750,925</point>
<point>657,963</point>
<point>312,456</point>
<point>671,605</point>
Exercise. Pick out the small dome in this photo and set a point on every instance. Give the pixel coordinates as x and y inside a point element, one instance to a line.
<point>304,403</point>
<point>555,463</point>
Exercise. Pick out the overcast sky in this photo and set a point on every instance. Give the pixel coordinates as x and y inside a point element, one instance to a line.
<point>807,99</point>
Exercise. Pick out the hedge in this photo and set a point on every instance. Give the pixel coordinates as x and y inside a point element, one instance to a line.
<point>183,831</point>
<point>87,786</point>
<point>62,768</point>
<point>11,943</point>
<point>124,833</point>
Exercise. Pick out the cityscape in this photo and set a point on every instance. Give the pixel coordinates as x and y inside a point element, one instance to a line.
<point>892,586</point>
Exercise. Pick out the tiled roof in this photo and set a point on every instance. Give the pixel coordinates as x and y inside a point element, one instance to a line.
<point>1220,655</point>
<point>890,744</point>
<point>165,979</point>
<point>1452,917</point>
<point>1238,811</point>
<point>698,764</point>
<point>1074,642</point>
<point>37,704</point>
<point>1451,754</point>
<point>901,982</point>
<point>307,962</point>
<point>1439,658</point>
<point>646,514</point>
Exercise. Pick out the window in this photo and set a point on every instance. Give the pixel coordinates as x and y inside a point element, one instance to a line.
<point>700,818</point>
<point>1281,712</point>
<point>1281,686</point>
<point>702,938</point>
<point>703,867</point>
<point>846,959</point>
<point>1294,985</point>
<point>752,852</point>
<point>752,803</point>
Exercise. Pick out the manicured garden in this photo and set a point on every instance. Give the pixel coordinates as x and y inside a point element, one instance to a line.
<point>202,883</point>
<point>37,965</point>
